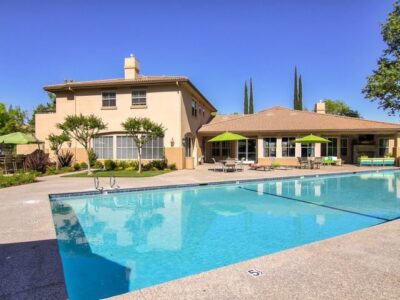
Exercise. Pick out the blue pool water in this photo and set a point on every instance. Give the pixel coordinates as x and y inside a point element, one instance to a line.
<point>112,244</point>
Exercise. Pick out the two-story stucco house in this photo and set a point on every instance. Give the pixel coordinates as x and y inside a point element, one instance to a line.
<point>172,101</point>
<point>187,116</point>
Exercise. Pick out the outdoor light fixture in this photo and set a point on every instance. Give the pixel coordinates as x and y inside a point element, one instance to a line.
<point>172,142</point>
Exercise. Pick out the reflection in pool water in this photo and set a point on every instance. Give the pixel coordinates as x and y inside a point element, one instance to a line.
<point>111,244</point>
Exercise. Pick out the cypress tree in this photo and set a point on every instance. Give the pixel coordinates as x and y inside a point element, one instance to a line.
<point>300,99</point>
<point>246,99</point>
<point>295,92</point>
<point>251,104</point>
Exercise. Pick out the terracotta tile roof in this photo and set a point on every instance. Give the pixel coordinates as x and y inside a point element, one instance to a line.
<point>120,82</point>
<point>141,79</point>
<point>282,119</point>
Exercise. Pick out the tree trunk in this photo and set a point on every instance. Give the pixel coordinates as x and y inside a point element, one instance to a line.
<point>89,169</point>
<point>140,160</point>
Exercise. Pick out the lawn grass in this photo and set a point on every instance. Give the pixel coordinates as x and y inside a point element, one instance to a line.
<point>122,173</point>
<point>17,179</point>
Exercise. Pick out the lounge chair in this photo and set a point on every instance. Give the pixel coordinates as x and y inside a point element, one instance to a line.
<point>258,167</point>
<point>218,164</point>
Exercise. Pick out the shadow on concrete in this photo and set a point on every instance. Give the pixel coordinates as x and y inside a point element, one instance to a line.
<point>31,270</point>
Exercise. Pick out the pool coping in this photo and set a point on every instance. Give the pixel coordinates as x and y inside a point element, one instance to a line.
<point>59,196</point>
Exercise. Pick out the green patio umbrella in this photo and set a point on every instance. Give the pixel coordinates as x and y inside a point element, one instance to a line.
<point>228,136</point>
<point>19,138</point>
<point>312,139</point>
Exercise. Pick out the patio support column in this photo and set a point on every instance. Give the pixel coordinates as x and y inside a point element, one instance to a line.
<point>339,146</point>
<point>298,150</point>
<point>279,147</point>
<point>317,149</point>
<point>260,147</point>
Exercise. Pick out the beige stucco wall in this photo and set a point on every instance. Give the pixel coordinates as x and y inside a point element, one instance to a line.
<point>168,105</point>
<point>190,124</point>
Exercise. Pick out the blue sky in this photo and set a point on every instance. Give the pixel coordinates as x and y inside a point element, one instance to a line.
<point>217,44</point>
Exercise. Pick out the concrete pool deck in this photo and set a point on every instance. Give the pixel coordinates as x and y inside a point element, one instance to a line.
<point>363,264</point>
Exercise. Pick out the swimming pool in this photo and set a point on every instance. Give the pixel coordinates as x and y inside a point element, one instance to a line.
<point>120,242</point>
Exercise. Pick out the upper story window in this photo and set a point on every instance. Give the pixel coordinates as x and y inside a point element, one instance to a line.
<point>109,99</point>
<point>194,108</point>
<point>139,98</point>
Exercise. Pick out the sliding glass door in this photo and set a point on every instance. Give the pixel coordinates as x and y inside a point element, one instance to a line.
<point>247,149</point>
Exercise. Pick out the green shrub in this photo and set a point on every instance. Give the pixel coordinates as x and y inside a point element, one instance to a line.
<point>51,170</point>
<point>122,165</point>
<point>92,157</point>
<point>159,164</point>
<point>133,164</point>
<point>77,166</point>
<point>67,169</point>
<point>147,167</point>
<point>275,165</point>
<point>110,165</point>
<point>172,167</point>
<point>98,165</point>
<point>83,165</point>
<point>17,179</point>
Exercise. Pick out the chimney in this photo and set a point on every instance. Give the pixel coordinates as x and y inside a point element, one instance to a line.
<point>131,67</point>
<point>320,107</point>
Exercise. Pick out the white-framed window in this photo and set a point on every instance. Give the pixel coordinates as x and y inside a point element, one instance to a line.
<point>288,147</point>
<point>126,148</point>
<point>154,149</point>
<point>109,99</point>
<point>307,150</point>
<point>139,98</point>
<point>329,149</point>
<point>103,146</point>
<point>383,147</point>
<point>194,108</point>
<point>270,147</point>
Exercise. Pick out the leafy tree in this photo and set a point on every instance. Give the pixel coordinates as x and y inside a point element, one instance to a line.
<point>50,106</point>
<point>83,129</point>
<point>142,130</point>
<point>300,96</point>
<point>384,84</point>
<point>246,99</point>
<point>295,92</point>
<point>56,142</point>
<point>251,103</point>
<point>338,107</point>
<point>12,119</point>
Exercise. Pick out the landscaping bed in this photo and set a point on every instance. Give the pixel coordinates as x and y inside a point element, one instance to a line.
<point>17,179</point>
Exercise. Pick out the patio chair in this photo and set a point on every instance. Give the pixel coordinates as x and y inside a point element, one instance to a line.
<point>317,162</point>
<point>19,162</point>
<point>303,162</point>
<point>218,164</point>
